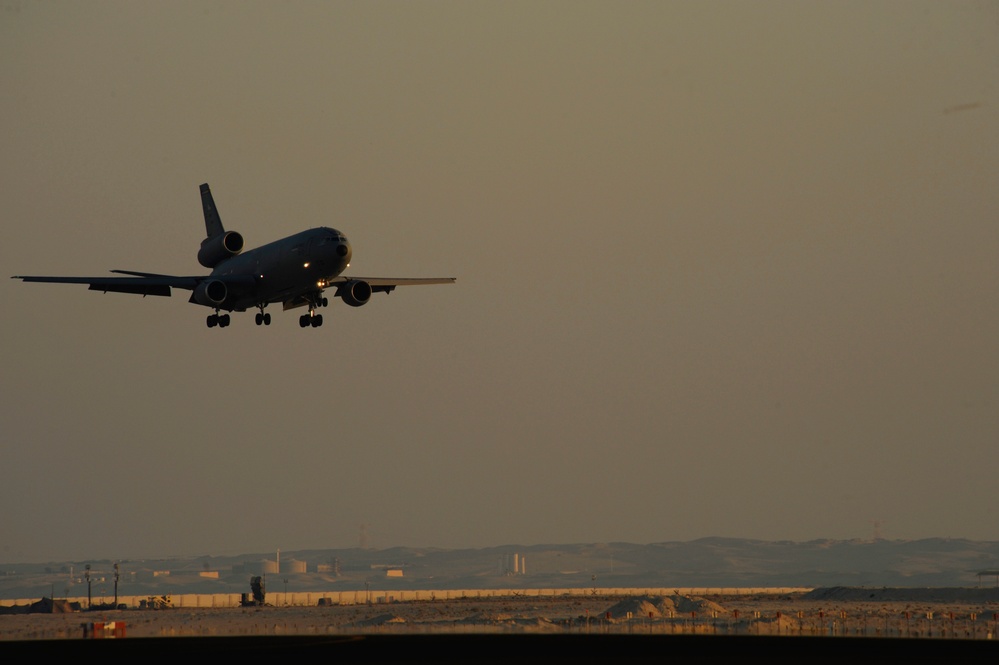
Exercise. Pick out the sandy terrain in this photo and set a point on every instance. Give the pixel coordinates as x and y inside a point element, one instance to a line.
<point>737,615</point>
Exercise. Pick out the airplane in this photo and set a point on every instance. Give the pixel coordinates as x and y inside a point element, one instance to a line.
<point>294,271</point>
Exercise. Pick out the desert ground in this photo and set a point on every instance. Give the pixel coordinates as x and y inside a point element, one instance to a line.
<point>859,614</point>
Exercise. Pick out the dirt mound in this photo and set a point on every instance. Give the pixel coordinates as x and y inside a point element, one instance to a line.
<point>14,609</point>
<point>635,607</point>
<point>657,607</point>
<point>43,606</point>
<point>488,617</point>
<point>510,622</point>
<point>381,620</point>
<point>688,604</point>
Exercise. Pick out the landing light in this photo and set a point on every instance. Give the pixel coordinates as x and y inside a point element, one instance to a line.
<point>305,265</point>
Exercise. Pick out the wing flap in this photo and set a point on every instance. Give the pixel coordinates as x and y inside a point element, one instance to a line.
<point>143,289</point>
<point>377,284</point>
<point>147,285</point>
<point>387,284</point>
<point>401,281</point>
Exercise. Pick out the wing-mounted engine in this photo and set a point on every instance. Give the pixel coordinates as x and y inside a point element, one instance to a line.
<point>216,250</point>
<point>355,293</point>
<point>210,292</point>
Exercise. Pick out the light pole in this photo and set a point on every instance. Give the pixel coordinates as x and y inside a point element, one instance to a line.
<point>87,575</point>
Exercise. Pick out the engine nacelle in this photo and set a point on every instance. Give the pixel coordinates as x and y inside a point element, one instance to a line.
<point>355,293</point>
<point>216,250</point>
<point>211,292</point>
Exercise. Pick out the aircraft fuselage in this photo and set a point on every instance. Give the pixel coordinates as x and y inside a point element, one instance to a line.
<point>285,269</point>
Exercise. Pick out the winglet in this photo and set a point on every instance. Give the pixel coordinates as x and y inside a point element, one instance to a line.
<point>213,223</point>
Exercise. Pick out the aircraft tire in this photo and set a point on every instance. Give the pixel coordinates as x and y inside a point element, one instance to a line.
<point>213,320</point>
<point>303,321</point>
<point>267,319</point>
<point>317,320</point>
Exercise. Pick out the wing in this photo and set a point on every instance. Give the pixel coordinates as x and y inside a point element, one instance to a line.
<point>387,284</point>
<point>143,283</point>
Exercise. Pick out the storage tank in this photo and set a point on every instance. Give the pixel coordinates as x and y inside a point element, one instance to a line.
<point>293,566</point>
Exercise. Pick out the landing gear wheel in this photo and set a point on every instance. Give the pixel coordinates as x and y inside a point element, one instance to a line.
<point>303,320</point>
<point>224,321</point>
<point>213,320</point>
<point>267,319</point>
<point>317,320</point>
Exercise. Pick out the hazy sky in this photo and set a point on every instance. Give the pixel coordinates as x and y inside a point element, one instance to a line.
<point>724,269</point>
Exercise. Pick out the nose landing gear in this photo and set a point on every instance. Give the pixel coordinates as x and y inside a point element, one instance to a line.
<point>262,318</point>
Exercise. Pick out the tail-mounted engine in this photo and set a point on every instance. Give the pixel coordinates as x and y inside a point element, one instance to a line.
<point>219,248</point>
<point>210,292</point>
<point>355,292</point>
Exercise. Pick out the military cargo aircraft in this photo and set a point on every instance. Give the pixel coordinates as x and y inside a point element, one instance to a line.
<point>294,271</point>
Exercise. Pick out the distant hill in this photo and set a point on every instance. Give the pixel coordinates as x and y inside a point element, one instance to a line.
<point>707,562</point>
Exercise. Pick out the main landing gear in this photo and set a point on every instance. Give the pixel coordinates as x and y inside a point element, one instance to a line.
<point>313,319</point>
<point>216,319</point>
<point>223,320</point>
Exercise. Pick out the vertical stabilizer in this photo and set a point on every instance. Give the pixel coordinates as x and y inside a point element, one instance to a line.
<point>220,245</point>
<point>213,223</point>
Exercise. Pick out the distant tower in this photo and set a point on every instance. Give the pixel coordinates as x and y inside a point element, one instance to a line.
<point>877,529</point>
<point>512,564</point>
<point>363,536</point>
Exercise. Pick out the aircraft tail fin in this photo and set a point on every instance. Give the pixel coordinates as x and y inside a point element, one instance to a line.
<point>213,223</point>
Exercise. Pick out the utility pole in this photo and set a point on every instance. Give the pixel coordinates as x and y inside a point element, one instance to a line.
<point>87,575</point>
<point>116,585</point>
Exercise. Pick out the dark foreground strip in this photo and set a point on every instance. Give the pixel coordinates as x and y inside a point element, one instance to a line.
<point>506,648</point>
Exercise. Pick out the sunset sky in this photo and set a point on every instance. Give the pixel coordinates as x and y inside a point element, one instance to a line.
<point>723,268</point>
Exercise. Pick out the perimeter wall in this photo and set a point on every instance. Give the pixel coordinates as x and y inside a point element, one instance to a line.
<point>362,596</point>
